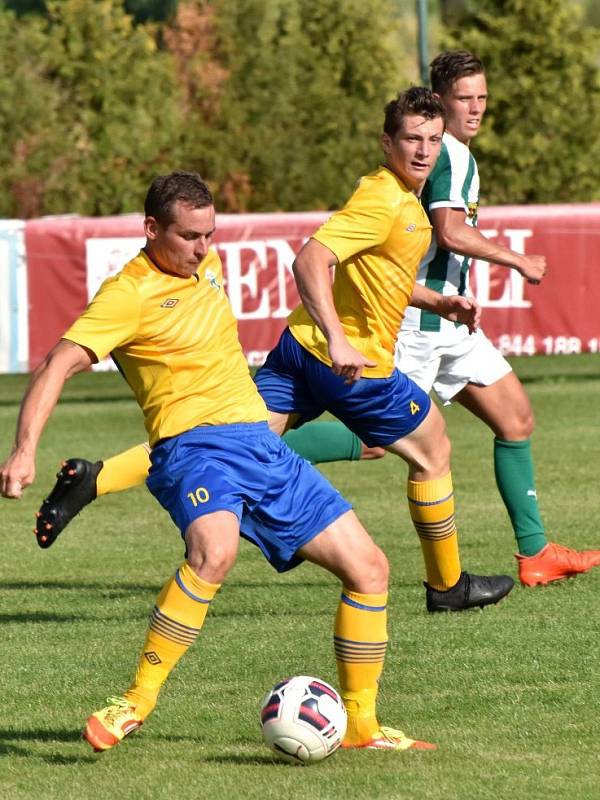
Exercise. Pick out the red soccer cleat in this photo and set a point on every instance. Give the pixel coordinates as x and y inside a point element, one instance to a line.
<point>555,562</point>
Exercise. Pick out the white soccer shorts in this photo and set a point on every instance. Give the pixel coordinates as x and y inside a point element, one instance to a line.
<point>446,361</point>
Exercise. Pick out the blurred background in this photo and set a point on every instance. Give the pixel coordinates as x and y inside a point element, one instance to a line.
<point>279,103</point>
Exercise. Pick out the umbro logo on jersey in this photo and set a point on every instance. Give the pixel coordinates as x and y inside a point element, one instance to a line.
<point>412,227</point>
<point>172,301</point>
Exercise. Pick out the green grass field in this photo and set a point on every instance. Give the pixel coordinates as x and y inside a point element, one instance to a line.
<point>510,694</point>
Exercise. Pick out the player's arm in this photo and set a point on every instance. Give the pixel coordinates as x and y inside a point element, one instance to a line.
<point>311,271</point>
<point>44,390</point>
<point>453,233</point>
<point>455,307</point>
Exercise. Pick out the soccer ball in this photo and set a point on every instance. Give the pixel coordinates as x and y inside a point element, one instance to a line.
<point>303,719</point>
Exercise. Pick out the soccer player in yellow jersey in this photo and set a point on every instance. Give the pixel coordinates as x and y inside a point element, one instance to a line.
<point>216,467</point>
<point>337,354</point>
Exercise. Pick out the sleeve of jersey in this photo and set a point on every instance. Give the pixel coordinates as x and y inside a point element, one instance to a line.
<point>111,319</point>
<point>364,222</point>
<point>444,185</point>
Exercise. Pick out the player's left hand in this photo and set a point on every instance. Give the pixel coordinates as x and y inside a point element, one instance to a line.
<point>532,268</point>
<point>464,310</point>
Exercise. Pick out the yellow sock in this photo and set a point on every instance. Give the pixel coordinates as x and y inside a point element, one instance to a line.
<point>360,641</point>
<point>124,471</point>
<point>431,505</point>
<point>178,616</point>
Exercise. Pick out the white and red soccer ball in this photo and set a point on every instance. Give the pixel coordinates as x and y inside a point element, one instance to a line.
<point>303,719</point>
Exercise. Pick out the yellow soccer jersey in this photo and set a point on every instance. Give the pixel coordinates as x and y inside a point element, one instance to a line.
<point>175,341</point>
<point>379,239</point>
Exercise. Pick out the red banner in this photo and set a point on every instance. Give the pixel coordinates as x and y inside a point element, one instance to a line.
<point>68,257</point>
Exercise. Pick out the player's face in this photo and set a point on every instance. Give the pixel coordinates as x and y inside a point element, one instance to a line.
<point>413,151</point>
<point>180,247</point>
<point>465,105</point>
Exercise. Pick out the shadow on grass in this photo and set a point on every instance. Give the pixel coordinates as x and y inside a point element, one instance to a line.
<point>42,617</point>
<point>39,735</point>
<point>8,748</point>
<point>241,760</point>
<point>80,585</point>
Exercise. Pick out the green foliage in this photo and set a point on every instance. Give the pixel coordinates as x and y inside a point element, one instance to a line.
<point>278,103</point>
<point>33,128</point>
<point>543,121</point>
<point>302,108</point>
<point>141,10</point>
<point>146,10</point>
<point>91,110</point>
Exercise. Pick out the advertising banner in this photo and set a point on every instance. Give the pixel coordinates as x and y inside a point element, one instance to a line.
<point>68,257</point>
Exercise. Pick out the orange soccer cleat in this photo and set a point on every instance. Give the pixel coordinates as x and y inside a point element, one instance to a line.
<point>555,562</point>
<point>107,727</point>
<point>390,739</point>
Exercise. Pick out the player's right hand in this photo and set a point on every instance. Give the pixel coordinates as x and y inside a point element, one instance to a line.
<point>16,473</point>
<point>347,361</point>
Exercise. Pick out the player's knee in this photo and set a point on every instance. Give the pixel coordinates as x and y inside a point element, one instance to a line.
<point>434,460</point>
<point>212,562</point>
<point>371,573</point>
<point>519,427</point>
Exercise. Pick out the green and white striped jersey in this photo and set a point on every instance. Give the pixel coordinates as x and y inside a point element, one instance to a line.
<point>453,183</point>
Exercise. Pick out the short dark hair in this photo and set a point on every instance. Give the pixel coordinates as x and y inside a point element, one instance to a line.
<point>166,190</point>
<point>452,65</point>
<point>416,101</point>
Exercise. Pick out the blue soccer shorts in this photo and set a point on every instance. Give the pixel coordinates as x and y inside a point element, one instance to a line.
<point>378,410</point>
<point>281,501</point>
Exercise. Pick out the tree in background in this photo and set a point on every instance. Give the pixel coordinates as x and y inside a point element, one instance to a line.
<point>141,10</point>
<point>33,129</point>
<point>298,117</point>
<point>278,103</point>
<point>542,128</point>
<point>91,110</point>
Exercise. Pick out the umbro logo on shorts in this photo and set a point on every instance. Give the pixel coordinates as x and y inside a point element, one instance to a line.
<point>412,227</point>
<point>172,301</point>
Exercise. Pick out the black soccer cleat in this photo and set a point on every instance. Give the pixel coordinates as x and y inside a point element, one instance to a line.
<point>470,591</point>
<point>74,489</point>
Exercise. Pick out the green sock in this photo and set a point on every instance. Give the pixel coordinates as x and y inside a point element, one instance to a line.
<point>514,477</point>
<point>319,442</point>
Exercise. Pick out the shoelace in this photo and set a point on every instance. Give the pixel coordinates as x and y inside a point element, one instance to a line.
<point>392,734</point>
<point>116,706</point>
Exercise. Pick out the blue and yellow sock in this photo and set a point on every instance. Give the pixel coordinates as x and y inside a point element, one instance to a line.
<point>176,620</point>
<point>431,505</point>
<point>360,641</point>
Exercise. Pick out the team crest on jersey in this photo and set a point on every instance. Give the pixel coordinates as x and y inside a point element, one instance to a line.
<point>169,302</point>
<point>412,227</point>
<point>212,279</point>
